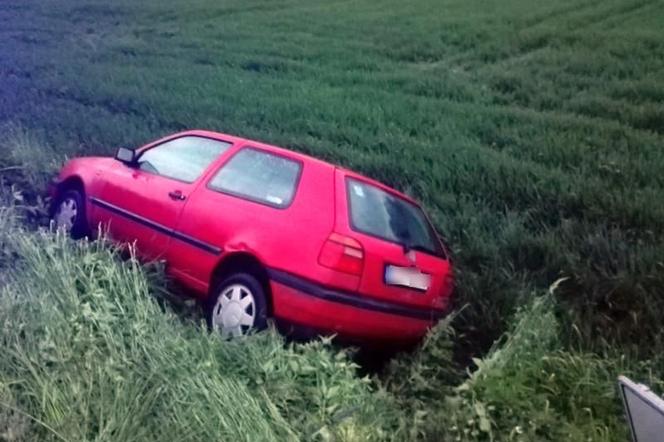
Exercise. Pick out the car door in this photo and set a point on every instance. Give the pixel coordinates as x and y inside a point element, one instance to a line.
<point>141,203</point>
<point>242,206</point>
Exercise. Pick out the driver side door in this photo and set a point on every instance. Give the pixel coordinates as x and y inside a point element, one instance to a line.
<point>142,203</point>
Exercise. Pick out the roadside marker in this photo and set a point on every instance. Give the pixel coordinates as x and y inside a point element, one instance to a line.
<point>644,411</point>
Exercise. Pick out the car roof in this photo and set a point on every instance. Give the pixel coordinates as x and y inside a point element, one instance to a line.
<point>290,153</point>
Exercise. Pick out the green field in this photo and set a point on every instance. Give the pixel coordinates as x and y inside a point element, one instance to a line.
<point>532,131</point>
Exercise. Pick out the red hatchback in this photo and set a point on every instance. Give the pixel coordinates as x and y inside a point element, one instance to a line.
<point>260,231</point>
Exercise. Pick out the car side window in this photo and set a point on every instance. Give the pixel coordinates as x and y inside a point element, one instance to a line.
<point>184,159</point>
<point>259,176</point>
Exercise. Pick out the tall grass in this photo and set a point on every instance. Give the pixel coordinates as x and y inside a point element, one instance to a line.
<point>529,387</point>
<point>89,354</point>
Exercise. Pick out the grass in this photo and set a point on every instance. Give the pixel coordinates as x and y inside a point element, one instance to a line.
<point>88,354</point>
<point>532,131</point>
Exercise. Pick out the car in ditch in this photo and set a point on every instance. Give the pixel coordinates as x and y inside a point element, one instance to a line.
<point>258,232</point>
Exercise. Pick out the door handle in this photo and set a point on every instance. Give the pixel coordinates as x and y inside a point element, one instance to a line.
<point>176,195</point>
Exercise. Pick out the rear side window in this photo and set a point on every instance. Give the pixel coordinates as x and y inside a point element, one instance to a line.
<point>259,176</point>
<point>184,159</point>
<point>383,215</point>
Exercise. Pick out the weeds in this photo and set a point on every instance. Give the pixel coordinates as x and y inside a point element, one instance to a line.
<point>89,354</point>
<point>527,388</point>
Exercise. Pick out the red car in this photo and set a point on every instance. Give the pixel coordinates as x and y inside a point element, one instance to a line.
<point>258,231</point>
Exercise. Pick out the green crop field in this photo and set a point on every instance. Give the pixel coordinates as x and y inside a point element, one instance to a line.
<point>532,131</point>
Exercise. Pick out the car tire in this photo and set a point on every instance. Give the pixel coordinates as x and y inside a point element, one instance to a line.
<point>69,213</point>
<point>237,305</point>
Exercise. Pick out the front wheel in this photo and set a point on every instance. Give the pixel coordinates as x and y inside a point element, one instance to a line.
<point>69,214</point>
<point>236,306</point>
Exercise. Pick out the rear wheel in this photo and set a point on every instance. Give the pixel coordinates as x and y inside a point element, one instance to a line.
<point>237,305</point>
<point>69,214</point>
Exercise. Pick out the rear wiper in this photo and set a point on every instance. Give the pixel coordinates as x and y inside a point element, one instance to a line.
<point>408,247</point>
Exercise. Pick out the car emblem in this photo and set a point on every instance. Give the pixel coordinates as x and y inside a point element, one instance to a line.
<point>412,257</point>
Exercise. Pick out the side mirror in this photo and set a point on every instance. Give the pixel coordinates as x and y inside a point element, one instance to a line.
<point>125,155</point>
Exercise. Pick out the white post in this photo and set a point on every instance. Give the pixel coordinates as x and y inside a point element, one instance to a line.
<point>644,410</point>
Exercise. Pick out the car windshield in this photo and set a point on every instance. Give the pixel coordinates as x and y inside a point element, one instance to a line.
<point>378,213</point>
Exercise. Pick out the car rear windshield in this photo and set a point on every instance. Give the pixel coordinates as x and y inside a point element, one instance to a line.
<point>378,213</point>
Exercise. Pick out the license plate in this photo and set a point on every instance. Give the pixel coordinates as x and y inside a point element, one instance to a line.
<point>407,277</point>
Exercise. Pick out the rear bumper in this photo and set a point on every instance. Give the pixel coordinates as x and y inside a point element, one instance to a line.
<point>350,315</point>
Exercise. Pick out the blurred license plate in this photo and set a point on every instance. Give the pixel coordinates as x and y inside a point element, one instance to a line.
<point>407,277</point>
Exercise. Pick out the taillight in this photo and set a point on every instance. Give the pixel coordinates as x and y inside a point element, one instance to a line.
<point>343,254</point>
